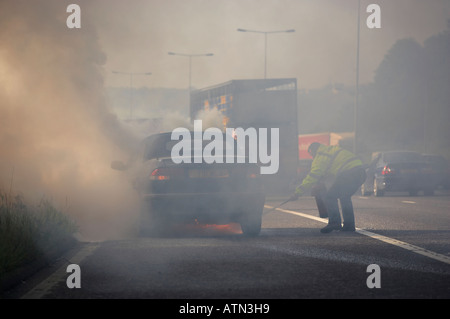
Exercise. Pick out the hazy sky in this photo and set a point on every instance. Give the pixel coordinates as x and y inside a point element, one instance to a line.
<point>137,36</point>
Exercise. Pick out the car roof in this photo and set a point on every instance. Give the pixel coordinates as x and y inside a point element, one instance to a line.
<point>399,156</point>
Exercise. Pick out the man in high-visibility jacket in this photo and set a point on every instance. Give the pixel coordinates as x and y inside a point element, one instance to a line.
<point>343,173</point>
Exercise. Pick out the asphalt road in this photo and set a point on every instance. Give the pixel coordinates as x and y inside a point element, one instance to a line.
<point>407,238</point>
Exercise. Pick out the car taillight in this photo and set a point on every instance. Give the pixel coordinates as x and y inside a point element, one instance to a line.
<point>253,172</point>
<point>166,173</point>
<point>386,170</point>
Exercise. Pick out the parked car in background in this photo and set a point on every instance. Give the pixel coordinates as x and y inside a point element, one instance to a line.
<point>440,170</point>
<point>401,171</point>
<point>190,192</point>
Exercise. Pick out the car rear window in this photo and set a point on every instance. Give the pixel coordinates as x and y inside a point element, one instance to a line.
<point>437,161</point>
<point>402,157</point>
<point>155,146</point>
<point>158,146</point>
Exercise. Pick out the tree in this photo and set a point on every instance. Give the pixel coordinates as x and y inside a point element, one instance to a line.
<point>393,105</point>
<point>437,115</point>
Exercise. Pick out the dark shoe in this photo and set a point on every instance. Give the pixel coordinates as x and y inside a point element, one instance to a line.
<point>330,227</point>
<point>348,228</point>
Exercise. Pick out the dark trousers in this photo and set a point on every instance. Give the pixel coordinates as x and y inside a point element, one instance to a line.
<point>343,188</point>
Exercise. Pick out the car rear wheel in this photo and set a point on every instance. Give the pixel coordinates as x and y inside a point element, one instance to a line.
<point>251,224</point>
<point>153,228</point>
<point>150,225</point>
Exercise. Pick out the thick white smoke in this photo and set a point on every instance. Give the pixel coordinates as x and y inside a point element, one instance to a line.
<point>57,136</point>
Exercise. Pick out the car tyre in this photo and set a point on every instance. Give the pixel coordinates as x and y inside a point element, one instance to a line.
<point>251,224</point>
<point>149,224</point>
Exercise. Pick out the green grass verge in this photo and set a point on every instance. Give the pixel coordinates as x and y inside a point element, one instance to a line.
<point>29,232</point>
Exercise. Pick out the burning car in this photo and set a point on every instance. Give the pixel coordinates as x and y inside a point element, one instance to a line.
<point>173,192</point>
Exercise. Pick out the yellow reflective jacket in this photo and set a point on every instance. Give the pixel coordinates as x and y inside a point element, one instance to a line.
<point>327,164</point>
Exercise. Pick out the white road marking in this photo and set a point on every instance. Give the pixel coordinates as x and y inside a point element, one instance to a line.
<point>392,241</point>
<point>59,275</point>
<point>408,202</point>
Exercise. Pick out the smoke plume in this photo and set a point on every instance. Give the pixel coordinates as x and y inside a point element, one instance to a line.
<point>57,136</point>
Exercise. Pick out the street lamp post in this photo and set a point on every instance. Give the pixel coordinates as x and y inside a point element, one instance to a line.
<point>265,43</point>
<point>131,86</point>
<point>190,56</point>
